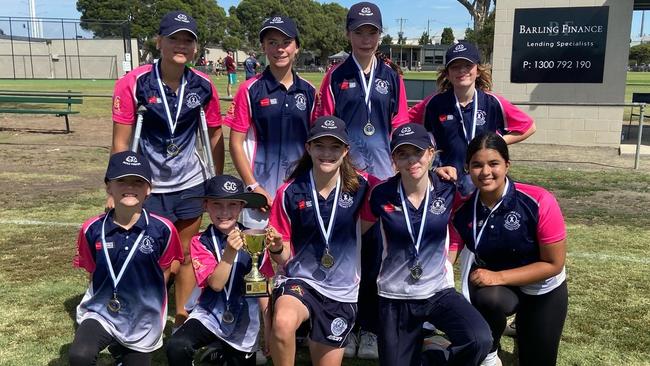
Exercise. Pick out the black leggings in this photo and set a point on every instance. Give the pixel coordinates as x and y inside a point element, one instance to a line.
<point>540,319</point>
<point>91,338</point>
<point>193,335</point>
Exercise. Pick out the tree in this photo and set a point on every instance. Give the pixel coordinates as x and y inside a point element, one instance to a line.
<point>386,40</point>
<point>400,38</point>
<point>424,38</point>
<point>640,54</point>
<point>144,17</point>
<point>479,10</point>
<point>484,38</point>
<point>251,15</point>
<point>447,36</point>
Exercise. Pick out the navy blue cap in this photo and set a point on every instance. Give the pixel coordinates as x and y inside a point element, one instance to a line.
<point>329,126</point>
<point>227,187</point>
<point>410,134</point>
<point>126,164</point>
<point>363,13</point>
<point>176,21</point>
<point>281,23</point>
<point>462,50</point>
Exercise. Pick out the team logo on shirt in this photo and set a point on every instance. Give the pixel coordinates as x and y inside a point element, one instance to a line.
<point>302,204</point>
<point>154,100</point>
<point>98,245</point>
<point>438,206</point>
<point>301,101</point>
<point>117,104</point>
<point>338,326</point>
<point>193,100</point>
<point>445,117</point>
<point>381,86</point>
<point>146,247</point>
<point>348,84</point>
<point>346,200</point>
<point>268,101</point>
<point>480,117</point>
<point>511,220</point>
<point>296,289</point>
<point>196,263</point>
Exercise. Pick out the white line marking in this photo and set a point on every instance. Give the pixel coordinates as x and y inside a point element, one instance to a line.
<point>39,223</point>
<point>609,257</point>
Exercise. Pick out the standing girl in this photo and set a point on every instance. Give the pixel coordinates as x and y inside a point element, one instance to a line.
<point>515,248</point>
<point>416,281</point>
<point>269,117</point>
<point>464,107</point>
<point>367,92</point>
<point>173,95</point>
<point>314,239</point>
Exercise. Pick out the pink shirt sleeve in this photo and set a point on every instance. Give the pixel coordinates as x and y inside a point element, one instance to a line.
<point>238,117</point>
<point>124,99</point>
<point>455,240</point>
<point>203,261</point>
<point>325,102</point>
<point>550,227</point>
<point>402,115</point>
<point>514,119</point>
<point>279,220</point>
<point>213,109</point>
<point>84,258</point>
<point>416,113</point>
<point>174,250</point>
<point>366,213</point>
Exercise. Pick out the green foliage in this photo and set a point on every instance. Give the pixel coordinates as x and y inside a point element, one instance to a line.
<point>145,15</point>
<point>386,39</point>
<point>251,14</point>
<point>400,38</point>
<point>640,53</point>
<point>447,36</point>
<point>483,38</point>
<point>424,38</point>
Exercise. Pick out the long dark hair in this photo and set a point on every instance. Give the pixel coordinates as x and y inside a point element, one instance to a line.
<point>383,58</point>
<point>349,175</point>
<point>487,140</point>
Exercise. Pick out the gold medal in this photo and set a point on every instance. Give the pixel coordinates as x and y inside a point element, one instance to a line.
<point>327,260</point>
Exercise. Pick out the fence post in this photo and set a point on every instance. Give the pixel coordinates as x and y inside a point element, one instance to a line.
<point>637,156</point>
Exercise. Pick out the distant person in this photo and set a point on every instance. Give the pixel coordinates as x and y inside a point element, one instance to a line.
<point>251,65</point>
<point>463,107</point>
<point>174,95</point>
<point>231,71</point>
<point>515,250</point>
<point>128,253</point>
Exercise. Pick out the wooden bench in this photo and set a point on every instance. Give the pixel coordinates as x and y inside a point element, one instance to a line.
<point>35,102</point>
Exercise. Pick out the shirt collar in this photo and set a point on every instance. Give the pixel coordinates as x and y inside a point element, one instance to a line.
<point>273,84</point>
<point>111,226</point>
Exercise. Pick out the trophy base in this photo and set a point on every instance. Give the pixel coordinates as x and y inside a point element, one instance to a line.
<point>256,289</point>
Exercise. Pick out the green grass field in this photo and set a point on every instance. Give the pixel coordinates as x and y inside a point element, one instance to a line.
<point>57,179</point>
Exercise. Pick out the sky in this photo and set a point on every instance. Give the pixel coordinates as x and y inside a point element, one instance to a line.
<point>437,13</point>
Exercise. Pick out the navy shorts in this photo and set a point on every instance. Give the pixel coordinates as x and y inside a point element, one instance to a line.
<point>330,321</point>
<point>172,207</point>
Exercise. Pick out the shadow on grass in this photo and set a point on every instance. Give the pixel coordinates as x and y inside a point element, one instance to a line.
<point>36,130</point>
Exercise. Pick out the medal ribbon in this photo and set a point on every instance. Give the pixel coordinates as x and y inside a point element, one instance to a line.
<point>462,119</point>
<point>116,280</point>
<point>408,221</point>
<point>477,238</point>
<point>172,123</point>
<point>326,233</point>
<point>366,84</point>
<point>217,251</point>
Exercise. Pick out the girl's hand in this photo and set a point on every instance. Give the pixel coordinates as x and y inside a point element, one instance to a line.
<point>482,277</point>
<point>234,242</point>
<point>269,199</point>
<point>447,173</point>
<point>273,239</point>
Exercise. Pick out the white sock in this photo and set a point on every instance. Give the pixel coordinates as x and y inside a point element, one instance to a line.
<point>490,359</point>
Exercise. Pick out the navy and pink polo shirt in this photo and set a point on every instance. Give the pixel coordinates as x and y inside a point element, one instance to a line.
<point>142,291</point>
<point>440,116</point>
<point>242,333</point>
<point>276,121</point>
<point>399,253</point>
<point>342,94</point>
<point>528,218</point>
<point>140,87</point>
<point>293,215</point>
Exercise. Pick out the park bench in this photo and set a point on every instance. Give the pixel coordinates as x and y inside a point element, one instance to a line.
<point>35,102</point>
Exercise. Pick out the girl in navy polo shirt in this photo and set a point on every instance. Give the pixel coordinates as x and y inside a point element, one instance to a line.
<point>367,92</point>
<point>173,95</point>
<point>314,239</point>
<point>464,107</point>
<point>270,116</point>
<point>416,281</point>
<point>222,314</point>
<point>129,254</point>
<point>513,260</point>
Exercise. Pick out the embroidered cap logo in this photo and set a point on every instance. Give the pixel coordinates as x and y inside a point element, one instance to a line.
<point>460,48</point>
<point>230,187</point>
<point>182,18</point>
<point>365,11</point>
